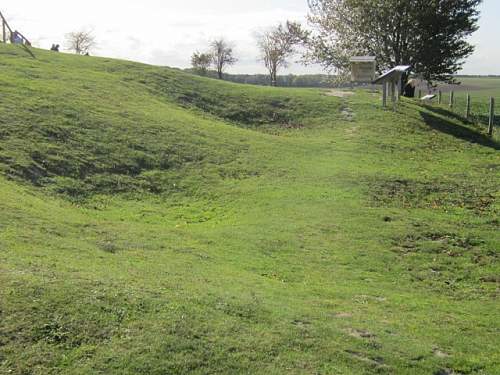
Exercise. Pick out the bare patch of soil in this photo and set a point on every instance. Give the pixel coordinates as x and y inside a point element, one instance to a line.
<point>446,371</point>
<point>377,362</point>
<point>339,93</point>
<point>436,243</point>
<point>443,261</point>
<point>360,333</point>
<point>439,353</point>
<point>432,194</point>
<point>343,315</point>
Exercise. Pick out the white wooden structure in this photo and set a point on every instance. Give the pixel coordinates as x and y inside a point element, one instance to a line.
<point>363,69</point>
<point>6,30</point>
<point>9,36</point>
<point>428,98</point>
<point>390,81</point>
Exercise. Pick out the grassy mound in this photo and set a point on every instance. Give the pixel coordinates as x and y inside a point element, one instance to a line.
<point>87,126</point>
<point>155,222</point>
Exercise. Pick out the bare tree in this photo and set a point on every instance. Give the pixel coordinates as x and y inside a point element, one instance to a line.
<point>278,44</point>
<point>201,62</point>
<point>81,41</point>
<point>222,55</point>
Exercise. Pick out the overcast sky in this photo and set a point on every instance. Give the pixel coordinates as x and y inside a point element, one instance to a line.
<point>166,32</point>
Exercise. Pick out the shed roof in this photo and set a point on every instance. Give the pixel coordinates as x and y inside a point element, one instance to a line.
<point>394,73</point>
<point>363,59</point>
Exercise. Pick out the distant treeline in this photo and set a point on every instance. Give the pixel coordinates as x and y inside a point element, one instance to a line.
<point>291,80</point>
<point>478,76</point>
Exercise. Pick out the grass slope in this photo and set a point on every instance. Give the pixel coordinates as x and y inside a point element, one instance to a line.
<point>154,222</point>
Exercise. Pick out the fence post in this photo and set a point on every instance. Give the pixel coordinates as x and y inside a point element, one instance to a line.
<point>393,95</point>
<point>467,109</point>
<point>4,32</point>
<point>492,117</point>
<point>419,93</point>
<point>452,98</point>
<point>440,97</point>
<point>384,94</point>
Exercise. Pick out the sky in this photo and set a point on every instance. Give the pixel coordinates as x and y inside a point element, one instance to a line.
<point>167,32</point>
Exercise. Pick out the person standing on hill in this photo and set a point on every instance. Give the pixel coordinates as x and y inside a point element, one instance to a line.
<point>16,38</point>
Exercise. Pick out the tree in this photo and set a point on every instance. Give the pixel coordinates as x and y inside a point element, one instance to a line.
<point>82,42</point>
<point>278,44</point>
<point>222,55</point>
<point>201,62</point>
<point>429,35</point>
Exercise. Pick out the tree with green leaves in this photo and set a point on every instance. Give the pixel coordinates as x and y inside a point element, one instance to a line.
<point>222,55</point>
<point>201,62</point>
<point>429,35</point>
<point>278,44</point>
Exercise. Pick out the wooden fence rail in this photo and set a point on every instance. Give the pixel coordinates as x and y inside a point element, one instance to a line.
<point>6,30</point>
<point>9,36</point>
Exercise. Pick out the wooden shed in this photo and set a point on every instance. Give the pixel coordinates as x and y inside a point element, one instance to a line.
<point>363,69</point>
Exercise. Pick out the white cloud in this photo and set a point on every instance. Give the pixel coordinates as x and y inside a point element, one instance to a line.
<point>167,32</point>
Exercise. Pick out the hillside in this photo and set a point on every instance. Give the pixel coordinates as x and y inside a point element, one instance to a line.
<point>155,222</point>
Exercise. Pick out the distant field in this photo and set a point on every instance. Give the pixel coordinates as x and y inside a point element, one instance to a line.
<point>484,86</point>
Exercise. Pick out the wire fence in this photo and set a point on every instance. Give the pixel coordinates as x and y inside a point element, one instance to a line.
<point>472,106</point>
<point>478,108</point>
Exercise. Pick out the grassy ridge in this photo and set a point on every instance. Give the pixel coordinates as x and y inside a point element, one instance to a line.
<point>320,235</point>
<point>131,141</point>
<point>137,138</point>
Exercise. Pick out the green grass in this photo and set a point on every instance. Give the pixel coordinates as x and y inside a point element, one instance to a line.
<point>153,222</point>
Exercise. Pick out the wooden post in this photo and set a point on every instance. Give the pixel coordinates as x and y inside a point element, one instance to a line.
<point>452,98</point>
<point>393,95</point>
<point>492,117</point>
<point>384,94</point>
<point>419,93</point>
<point>5,28</point>
<point>467,109</point>
<point>440,97</point>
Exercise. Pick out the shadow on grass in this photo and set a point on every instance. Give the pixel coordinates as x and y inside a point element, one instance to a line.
<point>481,118</point>
<point>445,112</point>
<point>459,131</point>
